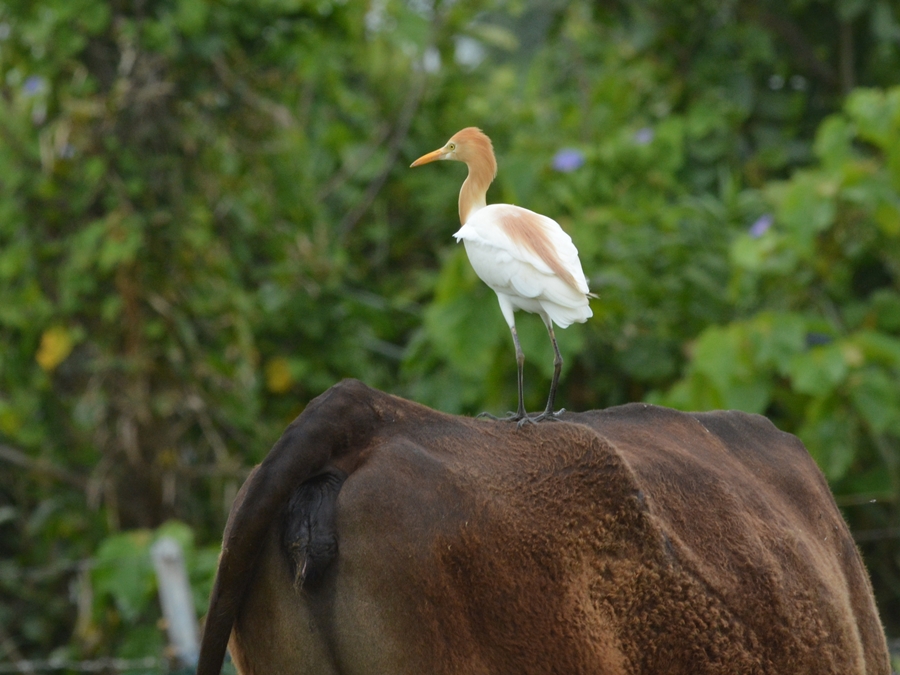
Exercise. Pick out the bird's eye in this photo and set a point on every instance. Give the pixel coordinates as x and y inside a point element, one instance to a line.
<point>451,146</point>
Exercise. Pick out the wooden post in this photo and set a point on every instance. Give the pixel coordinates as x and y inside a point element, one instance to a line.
<point>176,600</point>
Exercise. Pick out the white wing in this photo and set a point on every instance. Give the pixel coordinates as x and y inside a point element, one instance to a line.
<point>528,258</point>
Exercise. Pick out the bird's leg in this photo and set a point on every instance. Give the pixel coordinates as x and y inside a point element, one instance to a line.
<point>520,415</point>
<point>520,362</point>
<point>548,413</point>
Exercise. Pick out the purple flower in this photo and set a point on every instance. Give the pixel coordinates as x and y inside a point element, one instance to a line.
<point>761,226</point>
<point>817,339</point>
<point>644,136</point>
<point>34,84</point>
<point>568,159</point>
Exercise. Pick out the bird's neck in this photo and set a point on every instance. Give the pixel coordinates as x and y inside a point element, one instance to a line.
<point>473,195</point>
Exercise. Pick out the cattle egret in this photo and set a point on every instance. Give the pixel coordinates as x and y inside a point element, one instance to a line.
<point>525,257</point>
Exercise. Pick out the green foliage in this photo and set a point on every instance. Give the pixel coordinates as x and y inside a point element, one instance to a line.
<point>206,219</point>
<point>826,365</point>
<point>125,592</point>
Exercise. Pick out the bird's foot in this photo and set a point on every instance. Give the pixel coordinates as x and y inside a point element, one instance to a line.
<point>523,418</point>
<point>509,417</point>
<point>546,416</point>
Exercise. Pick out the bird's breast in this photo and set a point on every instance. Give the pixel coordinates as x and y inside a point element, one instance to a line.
<point>491,264</point>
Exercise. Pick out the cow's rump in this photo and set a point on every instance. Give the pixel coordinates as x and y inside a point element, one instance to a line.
<point>631,540</point>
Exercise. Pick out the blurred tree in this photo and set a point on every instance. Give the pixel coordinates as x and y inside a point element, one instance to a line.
<point>182,253</point>
<point>206,219</point>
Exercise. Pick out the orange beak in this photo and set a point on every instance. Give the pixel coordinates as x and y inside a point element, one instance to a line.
<point>430,157</point>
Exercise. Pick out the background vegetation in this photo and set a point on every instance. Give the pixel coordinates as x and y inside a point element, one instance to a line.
<point>206,219</point>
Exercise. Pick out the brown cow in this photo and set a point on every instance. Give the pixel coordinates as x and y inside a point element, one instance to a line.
<point>630,540</point>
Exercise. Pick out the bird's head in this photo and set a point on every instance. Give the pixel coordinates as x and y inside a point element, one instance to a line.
<point>470,145</point>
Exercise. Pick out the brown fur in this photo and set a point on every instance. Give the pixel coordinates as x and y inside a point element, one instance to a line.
<point>524,229</point>
<point>633,540</point>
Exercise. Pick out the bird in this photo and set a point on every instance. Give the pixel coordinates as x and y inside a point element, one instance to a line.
<point>524,257</point>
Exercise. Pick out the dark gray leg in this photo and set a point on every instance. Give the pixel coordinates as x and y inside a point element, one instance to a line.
<point>520,362</point>
<point>548,413</point>
<point>520,415</point>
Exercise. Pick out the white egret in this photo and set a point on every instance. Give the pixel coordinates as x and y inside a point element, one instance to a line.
<point>526,258</point>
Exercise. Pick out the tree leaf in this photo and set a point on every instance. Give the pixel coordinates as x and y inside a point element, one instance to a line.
<point>831,438</point>
<point>56,345</point>
<point>123,570</point>
<point>819,370</point>
<point>876,397</point>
